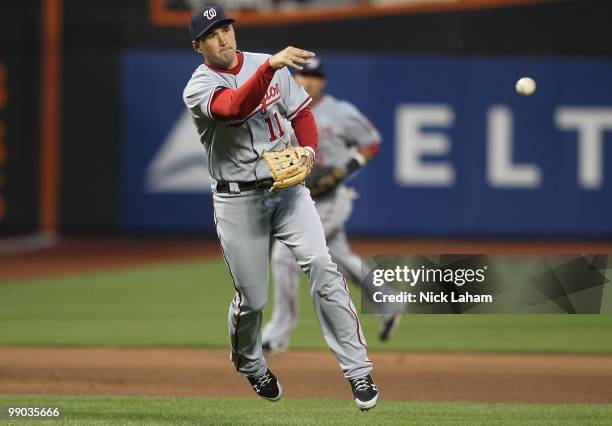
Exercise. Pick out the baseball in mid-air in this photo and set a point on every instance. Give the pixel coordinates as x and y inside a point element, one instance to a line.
<point>525,86</point>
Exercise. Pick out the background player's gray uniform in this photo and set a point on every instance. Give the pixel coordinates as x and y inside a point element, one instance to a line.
<point>247,222</point>
<point>342,131</point>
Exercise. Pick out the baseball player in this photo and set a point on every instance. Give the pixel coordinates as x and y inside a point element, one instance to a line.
<point>347,141</point>
<point>242,105</point>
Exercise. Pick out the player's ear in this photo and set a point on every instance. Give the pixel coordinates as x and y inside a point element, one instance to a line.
<point>196,46</point>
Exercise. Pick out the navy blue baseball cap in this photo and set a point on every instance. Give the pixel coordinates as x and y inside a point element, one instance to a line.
<point>315,68</point>
<point>206,18</point>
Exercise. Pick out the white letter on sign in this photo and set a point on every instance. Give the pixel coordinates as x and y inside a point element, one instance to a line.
<point>501,172</point>
<point>412,143</point>
<point>590,124</point>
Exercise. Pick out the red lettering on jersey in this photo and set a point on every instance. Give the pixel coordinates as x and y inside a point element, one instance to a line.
<point>272,96</point>
<point>269,98</point>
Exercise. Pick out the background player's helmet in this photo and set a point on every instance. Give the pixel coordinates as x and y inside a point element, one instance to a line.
<point>314,68</point>
<point>206,18</point>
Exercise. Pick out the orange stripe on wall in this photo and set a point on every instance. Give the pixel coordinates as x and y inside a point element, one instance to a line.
<point>160,15</point>
<point>51,54</point>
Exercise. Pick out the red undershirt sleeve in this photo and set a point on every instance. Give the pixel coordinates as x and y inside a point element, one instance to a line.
<point>305,128</point>
<point>237,104</point>
<point>372,149</point>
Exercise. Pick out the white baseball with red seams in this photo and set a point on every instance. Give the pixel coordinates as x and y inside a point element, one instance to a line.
<point>526,86</point>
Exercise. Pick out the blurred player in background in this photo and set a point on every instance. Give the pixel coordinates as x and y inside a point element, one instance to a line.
<point>347,141</point>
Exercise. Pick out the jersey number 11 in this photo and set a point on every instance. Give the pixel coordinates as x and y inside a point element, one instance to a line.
<point>273,136</point>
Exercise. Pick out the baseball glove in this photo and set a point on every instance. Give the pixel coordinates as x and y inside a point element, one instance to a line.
<point>323,180</point>
<point>286,168</point>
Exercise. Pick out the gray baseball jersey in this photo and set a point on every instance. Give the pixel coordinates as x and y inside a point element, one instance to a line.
<point>234,147</point>
<point>342,129</point>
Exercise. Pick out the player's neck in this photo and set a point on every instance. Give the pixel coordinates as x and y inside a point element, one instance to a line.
<point>232,68</point>
<point>235,62</point>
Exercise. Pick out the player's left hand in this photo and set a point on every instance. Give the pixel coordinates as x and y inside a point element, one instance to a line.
<point>325,179</point>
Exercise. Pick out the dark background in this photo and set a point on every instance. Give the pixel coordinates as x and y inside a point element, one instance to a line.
<point>95,33</point>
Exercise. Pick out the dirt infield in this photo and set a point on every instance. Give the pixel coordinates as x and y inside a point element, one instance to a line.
<point>308,374</point>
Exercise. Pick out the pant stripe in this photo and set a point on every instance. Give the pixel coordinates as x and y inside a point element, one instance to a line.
<point>236,354</point>
<point>355,315</point>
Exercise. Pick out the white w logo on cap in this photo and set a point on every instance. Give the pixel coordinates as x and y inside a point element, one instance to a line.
<point>210,13</point>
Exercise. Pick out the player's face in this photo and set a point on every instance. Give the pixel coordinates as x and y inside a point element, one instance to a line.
<point>313,85</point>
<point>218,46</point>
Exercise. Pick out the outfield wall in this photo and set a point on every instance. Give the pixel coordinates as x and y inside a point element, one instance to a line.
<point>462,154</point>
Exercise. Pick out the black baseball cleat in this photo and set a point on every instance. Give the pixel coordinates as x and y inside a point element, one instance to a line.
<point>388,327</point>
<point>266,386</point>
<point>365,392</point>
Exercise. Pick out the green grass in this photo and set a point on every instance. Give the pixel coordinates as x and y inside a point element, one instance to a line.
<point>252,411</point>
<point>185,304</point>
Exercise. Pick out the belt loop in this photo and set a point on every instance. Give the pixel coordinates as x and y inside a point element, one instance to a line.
<point>234,188</point>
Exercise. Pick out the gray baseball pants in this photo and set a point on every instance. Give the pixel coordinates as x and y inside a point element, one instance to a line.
<point>246,224</point>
